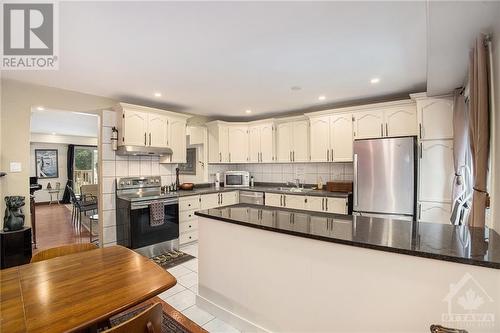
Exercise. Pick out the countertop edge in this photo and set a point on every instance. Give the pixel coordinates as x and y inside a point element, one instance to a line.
<point>427,255</point>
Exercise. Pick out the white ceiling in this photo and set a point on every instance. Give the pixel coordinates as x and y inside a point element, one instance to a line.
<point>63,123</point>
<point>225,57</point>
<point>221,58</point>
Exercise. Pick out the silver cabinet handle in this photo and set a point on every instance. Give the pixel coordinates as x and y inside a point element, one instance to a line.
<point>355,180</point>
<point>419,211</point>
<point>328,155</point>
<point>420,131</point>
<point>290,155</point>
<point>145,142</point>
<point>381,129</point>
<point>293,156</point>
<point>221,198</point>
<point>322,203</point>
<point>150,139</point>
<point>284,200</point>
<point>281,199</point>
<point>220,157</point>
<point>331,156</point>
<point>229,157</point>
<point>326,204</point>
<point>421,150</point>
<point>386,129</point>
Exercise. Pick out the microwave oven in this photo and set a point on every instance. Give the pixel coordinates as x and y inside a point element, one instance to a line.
<point>236,179</point>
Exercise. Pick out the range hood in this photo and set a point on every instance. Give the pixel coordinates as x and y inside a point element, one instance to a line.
<point>143,151</point>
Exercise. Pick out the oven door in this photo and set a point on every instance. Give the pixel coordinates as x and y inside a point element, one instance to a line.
<point>143,234</point>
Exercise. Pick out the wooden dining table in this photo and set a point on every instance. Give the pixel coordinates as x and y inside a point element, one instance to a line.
<point>77,291</point>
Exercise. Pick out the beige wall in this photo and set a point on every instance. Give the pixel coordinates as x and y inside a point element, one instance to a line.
<point>17,99</point>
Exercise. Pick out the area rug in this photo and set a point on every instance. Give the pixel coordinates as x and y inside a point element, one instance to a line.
<point>171,259</point>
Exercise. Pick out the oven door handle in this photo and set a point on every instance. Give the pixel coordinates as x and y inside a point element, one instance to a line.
<point>146,204</point>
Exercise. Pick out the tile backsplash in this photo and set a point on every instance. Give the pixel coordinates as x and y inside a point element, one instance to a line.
<point>308,173</point>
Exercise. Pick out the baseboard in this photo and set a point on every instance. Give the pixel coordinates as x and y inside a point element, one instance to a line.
<point>227,316</point>
<point>46,203</point>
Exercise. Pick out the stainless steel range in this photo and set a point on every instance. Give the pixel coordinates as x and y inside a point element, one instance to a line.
<point>136,198</point>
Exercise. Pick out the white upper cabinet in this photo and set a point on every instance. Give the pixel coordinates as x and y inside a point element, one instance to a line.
<point>341,138</point>
<point>435,118</point>
<point>369,124</point>
<point>386,121</point>
<point>143,126</point>
<point>134,128</point>
<point>218,141</point>
<point>436,170</point>
<point>300,149</point>
<point>401,121</point>
<point>238,144</point>
<point>320,139</point>
<point>284,142</point>
<point>158,130</point>
<point>293,141</point>
<point>331,138</point>
<point>261,143</point>
<point>177,139</point>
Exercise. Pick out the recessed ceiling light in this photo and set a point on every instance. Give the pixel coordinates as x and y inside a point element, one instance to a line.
<point>40,108</point>
<point>248,111</point>
<point>322,97</point>
<point>375,80</point>
<point>54,133</point>
<point>157,94</point>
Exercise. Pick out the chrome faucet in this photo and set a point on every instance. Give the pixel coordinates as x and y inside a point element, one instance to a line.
<point>296,182</point>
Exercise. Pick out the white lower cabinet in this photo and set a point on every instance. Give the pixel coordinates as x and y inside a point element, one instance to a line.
<point>229,198</point>
<point>208,201</point>
<point>310,203</point>
<point>434,212</point>
<point>327,204</point>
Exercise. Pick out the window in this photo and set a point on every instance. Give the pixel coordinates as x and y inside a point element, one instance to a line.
<point>85,167</point>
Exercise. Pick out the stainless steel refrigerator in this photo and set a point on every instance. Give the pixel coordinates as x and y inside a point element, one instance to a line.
<point>385,177</point>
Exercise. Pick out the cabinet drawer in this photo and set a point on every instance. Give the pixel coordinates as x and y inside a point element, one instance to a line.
<point>187,215</point>
<point>188,226</point>
<point>189,203</point>
<point>188,237</point>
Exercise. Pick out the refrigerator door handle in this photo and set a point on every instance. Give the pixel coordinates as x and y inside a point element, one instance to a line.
<point>355,160</point>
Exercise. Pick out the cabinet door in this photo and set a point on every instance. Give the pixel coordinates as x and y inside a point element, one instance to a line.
<point>368,124</point>
<point>273,199</point>
<point>229,198</point>
<point>336,205</point>
<point>316,204</point>
<point>224,144</point>
<point>320,139</point>
<point>209,200</point>
<point>177,141</point>
<point>401,121</point>
<point>300,222</point>
<point>267,218</point>
<point>295,201</point>
<point>267,143</point>
<point>436,170</point>
<point>158,130</point>
<point>284,146</point>
<point>254,138</point>
<point>300,138</point>
<point>319,226</point>
<point>284,220</point>
<point>341,228</point>
<point>341,140</point>
<point>135,128</point>
<point>434,212</point>
<point>238,144</point>
<point>436,118</point>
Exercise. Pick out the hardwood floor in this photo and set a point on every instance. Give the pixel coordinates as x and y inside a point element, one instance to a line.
<point>54,227</point>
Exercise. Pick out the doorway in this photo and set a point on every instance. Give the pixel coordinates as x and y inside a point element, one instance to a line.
<point>64,178</point>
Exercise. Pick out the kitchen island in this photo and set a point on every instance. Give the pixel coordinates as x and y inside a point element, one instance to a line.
<point>275,269</point>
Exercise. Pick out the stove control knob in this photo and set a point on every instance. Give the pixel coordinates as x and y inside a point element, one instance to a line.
<point>128,182</point>
<point>157,181</point>
<point>122,183</point>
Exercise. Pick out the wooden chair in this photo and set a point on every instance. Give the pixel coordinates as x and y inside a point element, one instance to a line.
<point>62,251</point>
<point>148,321</point>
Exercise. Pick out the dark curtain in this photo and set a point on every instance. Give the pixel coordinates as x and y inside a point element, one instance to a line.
<point>69,166</point>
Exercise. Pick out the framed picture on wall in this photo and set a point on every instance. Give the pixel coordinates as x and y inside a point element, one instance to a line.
<point>46,163</point>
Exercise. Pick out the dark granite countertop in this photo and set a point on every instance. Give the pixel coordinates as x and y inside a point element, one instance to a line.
<point>460,244</point>
<point>260,188</point>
